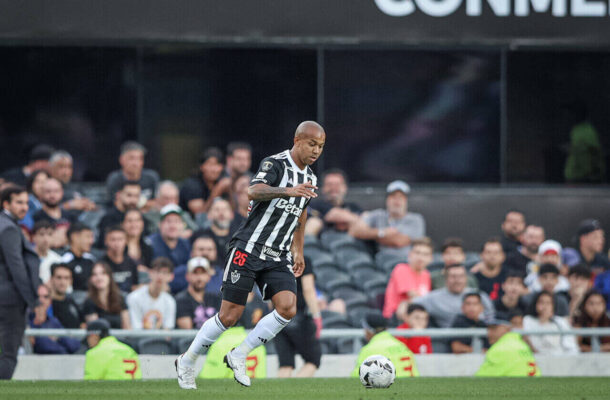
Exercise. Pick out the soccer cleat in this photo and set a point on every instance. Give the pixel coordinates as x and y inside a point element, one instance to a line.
<point>186,375</point>
<point>238,365</point>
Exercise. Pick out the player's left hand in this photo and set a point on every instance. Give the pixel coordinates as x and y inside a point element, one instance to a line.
<point>299,266</point>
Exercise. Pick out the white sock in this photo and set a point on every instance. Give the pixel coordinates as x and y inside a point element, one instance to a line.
<point>265,330</point>
<point>209,332</point>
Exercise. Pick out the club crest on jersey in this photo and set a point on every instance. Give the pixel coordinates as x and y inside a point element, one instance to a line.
<point>267,165</point>
<point>235,277</point>
<point>289,207</point>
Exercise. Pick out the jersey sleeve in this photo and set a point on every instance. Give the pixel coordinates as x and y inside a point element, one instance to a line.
<point>269,172</point>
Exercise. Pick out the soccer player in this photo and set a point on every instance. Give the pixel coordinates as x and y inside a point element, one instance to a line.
<point>267,249</point>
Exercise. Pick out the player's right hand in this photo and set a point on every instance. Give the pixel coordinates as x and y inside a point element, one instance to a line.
<point>303,190</point>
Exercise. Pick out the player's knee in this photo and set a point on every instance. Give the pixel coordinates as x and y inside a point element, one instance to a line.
<point>228,318</point>
<point>286,310</point>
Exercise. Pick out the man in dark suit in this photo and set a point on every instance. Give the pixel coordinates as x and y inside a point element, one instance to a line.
<point>18,277</point>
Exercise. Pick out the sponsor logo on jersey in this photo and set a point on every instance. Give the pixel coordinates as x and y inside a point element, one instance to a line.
<point>270,252</point>
<point>289,207</point>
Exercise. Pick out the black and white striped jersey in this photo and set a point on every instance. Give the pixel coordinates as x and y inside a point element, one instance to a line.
<point>270,226</point>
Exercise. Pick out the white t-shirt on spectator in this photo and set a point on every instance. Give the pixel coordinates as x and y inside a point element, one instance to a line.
<point>142,306</point>
<point>551,344</point>
<point>45,265</point>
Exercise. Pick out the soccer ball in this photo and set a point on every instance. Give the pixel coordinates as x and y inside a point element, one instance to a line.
<point>377,372</point>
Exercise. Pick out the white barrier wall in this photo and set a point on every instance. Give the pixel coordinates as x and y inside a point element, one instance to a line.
<point>47,367</point>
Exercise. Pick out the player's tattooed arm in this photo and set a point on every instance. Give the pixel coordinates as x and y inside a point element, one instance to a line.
<point>262,192</point>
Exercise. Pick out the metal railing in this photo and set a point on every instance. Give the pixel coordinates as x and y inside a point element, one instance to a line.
<point>435,333</point>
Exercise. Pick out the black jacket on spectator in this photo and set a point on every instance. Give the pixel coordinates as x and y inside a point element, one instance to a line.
<point>67,312</point>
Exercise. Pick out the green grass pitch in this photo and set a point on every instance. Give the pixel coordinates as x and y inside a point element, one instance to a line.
<point>315,389</point>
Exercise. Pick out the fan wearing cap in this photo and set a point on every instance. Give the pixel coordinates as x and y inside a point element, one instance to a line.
<point>195,305</point>
<point>590,240</point>
<point>393,227</point>
<point>168,242</point>
<point>107,358</point>
<point>549,252</point>
<point>381,342</point>
<point>509,354</point>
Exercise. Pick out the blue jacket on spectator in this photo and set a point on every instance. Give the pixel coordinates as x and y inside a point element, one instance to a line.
<point>46,345</point>
<point>602,284</point>
<point>180,255</point>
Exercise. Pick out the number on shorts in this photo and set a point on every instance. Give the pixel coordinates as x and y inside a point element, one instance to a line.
<point>240,258</point>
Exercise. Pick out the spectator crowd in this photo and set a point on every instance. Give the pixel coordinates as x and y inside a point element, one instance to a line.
<point>152,257</point>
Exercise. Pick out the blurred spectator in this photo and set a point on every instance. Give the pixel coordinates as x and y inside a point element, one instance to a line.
<point>205,246</point>
<point>409,281</point>
<point>330,211</point>
<point>592,314</point>
<point>541,315</point>
<point>61,168</point>
<point>34,185</point>
<point>52,193</point>
<point>452,252</point>
<point>124,269</point>
<point>512,228</point>
<point>137,247</point>
<point>150,307</point>
<point>169,243</point>
<point>199,191</point>
<point>602,284</point>
<point>42,237</point>
<point>38,159</point>
<point>509,354</point>
<point>548,278</point>
<point>131,159</point>
<point>472,309</point>
<point>126,198</point>
<point>579,278</point>
<point>393,227</point>
<point>107,358</point>
<point>168,193</point>
<point>104,299</point>
<point>240,192</point>
<point>42,318</point>
<point>381,342</point>
<point>416,318</point>
<point>302,335</point>
<point>65,308</point>
<point>444,304</point>
<point>78,258</point>
<point>590,241</point>
<point>195,305</point>
<point>223,225</point>
<point>490,273</point>
<point>527,252</point>
<point>549,252</point>
<point>511,299</point>
<point>239,159</point>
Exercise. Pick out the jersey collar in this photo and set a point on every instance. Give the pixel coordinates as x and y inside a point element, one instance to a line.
<point>294,165</point>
